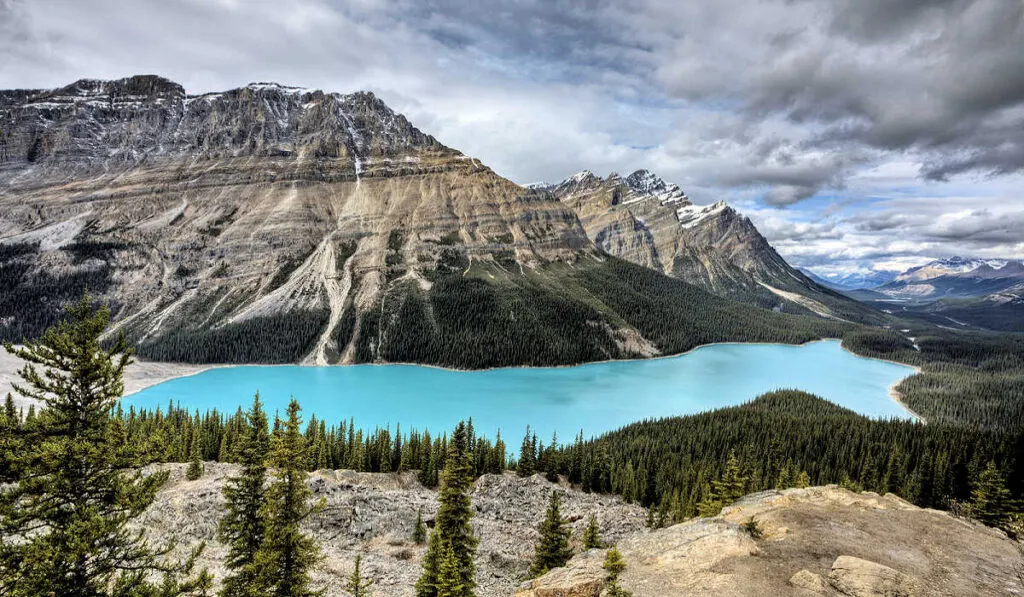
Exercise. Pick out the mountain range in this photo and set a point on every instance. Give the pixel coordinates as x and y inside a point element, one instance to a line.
<point>852,280</point>
<point>955,277</point>
<point>954,292</point>
<point>280,224</point>
<point>643,219</point>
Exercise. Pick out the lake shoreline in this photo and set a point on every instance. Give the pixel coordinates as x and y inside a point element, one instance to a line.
<point>144,374</point>
<point>189,370</point>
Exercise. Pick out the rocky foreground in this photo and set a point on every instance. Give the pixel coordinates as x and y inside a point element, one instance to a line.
<point>373,514</point>
<point>815,541</point>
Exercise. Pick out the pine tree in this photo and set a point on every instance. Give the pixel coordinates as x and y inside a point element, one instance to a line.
<point>195,466</point>
<point>10,424</point>
<point>614,565</point>
<point>356,585</point>
<point>66,521</point>
<point>592,534</point>
<point>452,531</point>
<point>651,521</point>
<point>802,480</point>
<point>527,455</point>
<point>242,527</point>
<point>730,487</point>
<point>449,580</point>
<point>419,531</point>
<point>990,499</point>
<point>287,553</point>
<point>552,551</point>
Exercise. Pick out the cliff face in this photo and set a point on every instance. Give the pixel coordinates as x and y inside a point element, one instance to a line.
<point>250,203</point>
<point>643,219</point>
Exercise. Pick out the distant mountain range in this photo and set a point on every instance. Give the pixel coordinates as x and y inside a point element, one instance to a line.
<point>272,223</point>
<point>958,292</point>
<point>852,280</point>
<point>955,277</point>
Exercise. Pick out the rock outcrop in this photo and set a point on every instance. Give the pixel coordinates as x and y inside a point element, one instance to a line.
<point>814,541</point>
<point>860,578</point>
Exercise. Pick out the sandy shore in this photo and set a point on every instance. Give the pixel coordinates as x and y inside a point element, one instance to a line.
<point>138,376</point>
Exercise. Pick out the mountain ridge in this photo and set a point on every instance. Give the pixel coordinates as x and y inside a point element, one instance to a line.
<point>954,277</point>
<point>315,227</point>
<point>643,219</point>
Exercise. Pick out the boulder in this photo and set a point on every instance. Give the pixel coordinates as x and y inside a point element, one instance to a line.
<point>860,578</point>
<point>807,580</point>
<point>586,578</point>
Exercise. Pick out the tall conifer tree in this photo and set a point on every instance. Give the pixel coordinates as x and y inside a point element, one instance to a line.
<point>452,546</point>
<point>242,527</point>
<point>552,551</point>
<point>195,460</point>
<point>287,553</point>
<point>65,523</point>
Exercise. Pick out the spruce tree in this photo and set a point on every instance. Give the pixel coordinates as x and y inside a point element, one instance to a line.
<point>450,582</point>
<point>66,521</point>
<point>614,565</point>
<point>592,534</point>
<point>419,531</point>
<point>990,499</point>
<point>195,462</point>
<point>729,488</point>
<point>356,585</point>
<point>527,455</point>
<point>287,553</point>
<point>552,551</point>
<point>242,527</point>
<point>452,543</point>
<point>10,440</point>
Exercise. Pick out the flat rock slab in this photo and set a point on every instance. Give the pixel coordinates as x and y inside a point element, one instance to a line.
<point>815,541</point>
<point>860,578</point>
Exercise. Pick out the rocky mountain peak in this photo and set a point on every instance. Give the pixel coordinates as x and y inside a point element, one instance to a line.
<point>644,184</point>
<point>692,215</point>
<point>645,181</point>
<point>582,181</point>
<point>92,125</point>
<point>651,222</point>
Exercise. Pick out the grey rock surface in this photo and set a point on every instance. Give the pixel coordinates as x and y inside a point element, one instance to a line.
<point>373,515</point>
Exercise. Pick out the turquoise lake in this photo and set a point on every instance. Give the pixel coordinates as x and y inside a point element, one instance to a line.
<point>596,397</point>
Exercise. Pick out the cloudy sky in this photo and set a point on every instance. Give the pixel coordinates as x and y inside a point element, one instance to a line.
<point>857,134</point>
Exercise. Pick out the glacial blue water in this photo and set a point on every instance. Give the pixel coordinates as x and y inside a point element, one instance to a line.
<point>596,397</point>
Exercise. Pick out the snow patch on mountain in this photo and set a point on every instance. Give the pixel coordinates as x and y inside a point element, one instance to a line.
<point>693,215</point>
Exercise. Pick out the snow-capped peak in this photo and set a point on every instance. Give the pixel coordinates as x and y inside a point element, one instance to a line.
<point>262,85</point>
<point>952,266</point>
<point>692,215</point>
<point>646,182</point>
<point>580,176</point>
